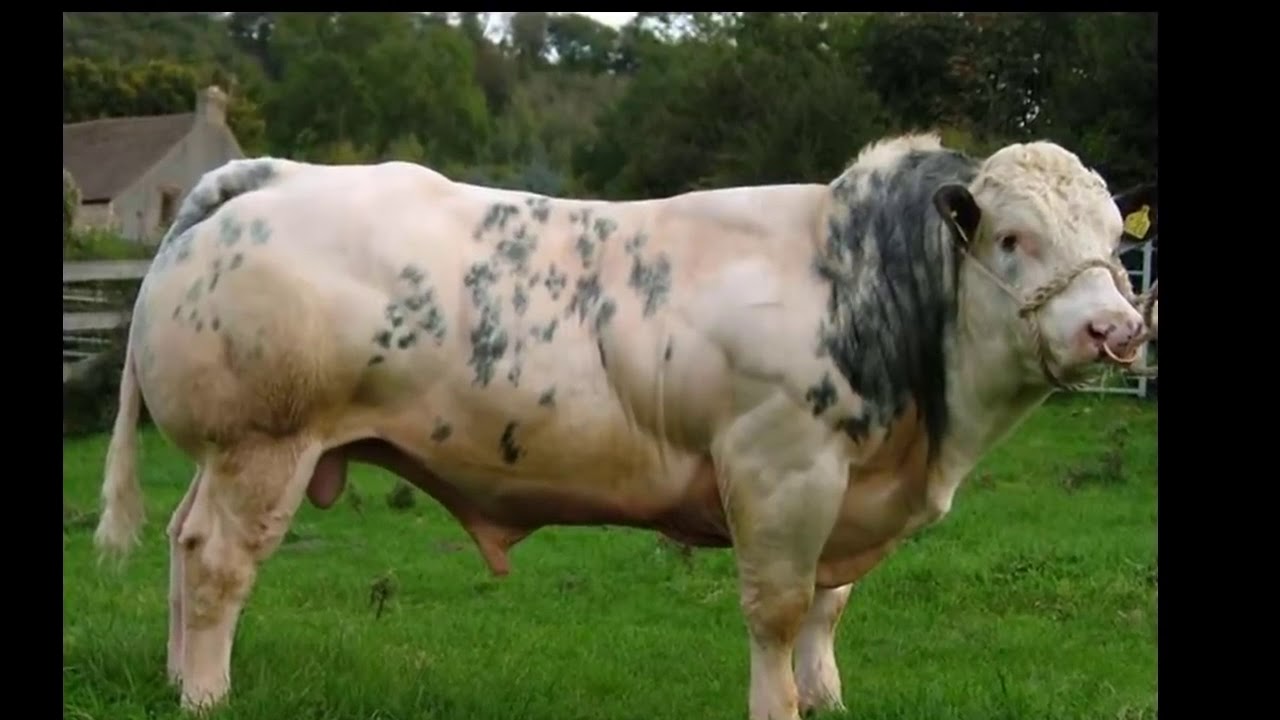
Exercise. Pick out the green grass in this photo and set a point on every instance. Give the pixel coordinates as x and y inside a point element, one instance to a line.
<point>1035,598</point>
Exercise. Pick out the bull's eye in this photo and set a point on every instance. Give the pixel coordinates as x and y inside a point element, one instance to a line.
<point>1008,242</point>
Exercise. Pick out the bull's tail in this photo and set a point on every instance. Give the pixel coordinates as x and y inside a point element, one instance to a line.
<point>122,511</point>
<point>216,187</point>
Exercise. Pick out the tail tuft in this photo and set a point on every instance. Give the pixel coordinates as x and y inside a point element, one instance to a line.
<point>122,513</point>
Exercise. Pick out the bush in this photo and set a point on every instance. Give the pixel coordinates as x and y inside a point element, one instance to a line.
<point>102,244</point>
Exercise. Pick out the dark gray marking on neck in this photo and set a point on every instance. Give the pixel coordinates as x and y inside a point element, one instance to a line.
<point>893,301</point>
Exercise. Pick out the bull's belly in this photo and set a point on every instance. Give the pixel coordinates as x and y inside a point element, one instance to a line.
<point>498,509</point>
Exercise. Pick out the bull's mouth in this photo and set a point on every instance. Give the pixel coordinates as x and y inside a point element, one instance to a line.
<point>1090,367</point>
<point>1107,355</point>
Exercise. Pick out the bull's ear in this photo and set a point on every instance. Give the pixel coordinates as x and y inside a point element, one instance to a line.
<point>1139,206</point>
<point>959,210</point>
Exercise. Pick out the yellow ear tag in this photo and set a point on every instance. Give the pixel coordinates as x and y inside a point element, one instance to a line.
<point>1138,222</point>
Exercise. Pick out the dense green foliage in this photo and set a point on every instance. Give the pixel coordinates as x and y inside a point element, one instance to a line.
<point>671,101</point>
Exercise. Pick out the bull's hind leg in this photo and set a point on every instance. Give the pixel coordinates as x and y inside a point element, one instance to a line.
<point>781,487</point>
<point>817,676</point>
<point>242,508</point>
<point>174,661</point>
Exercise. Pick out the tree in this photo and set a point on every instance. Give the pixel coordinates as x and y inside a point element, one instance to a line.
<point>529,38</point>
<point>752,99</point>
<point>251,32</point>
<point>373,77</point>
<point>1105,98</point>
<point>580,43</point>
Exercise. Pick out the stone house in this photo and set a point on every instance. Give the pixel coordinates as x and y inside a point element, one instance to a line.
<point>133,172</point>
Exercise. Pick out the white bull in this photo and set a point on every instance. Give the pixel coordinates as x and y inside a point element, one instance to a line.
<point>801,372</point>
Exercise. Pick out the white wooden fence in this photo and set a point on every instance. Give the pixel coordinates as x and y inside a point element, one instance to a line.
<point>82,340</point>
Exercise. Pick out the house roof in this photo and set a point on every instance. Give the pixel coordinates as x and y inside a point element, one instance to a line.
<point>105,156</point>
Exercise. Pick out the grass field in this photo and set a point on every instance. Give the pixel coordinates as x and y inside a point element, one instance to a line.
<point>1035,598</point>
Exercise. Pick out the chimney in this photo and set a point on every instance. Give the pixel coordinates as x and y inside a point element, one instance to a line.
<point>211,106</point>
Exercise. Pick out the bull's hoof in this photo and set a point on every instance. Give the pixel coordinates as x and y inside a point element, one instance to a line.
<point>824,708</point>
<point>200,700</point>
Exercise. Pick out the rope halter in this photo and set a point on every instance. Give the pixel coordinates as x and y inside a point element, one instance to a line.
<point>1030,306</point>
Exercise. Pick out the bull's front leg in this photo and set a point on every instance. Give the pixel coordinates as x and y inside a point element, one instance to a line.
<point>817,675</point>
<point>781,484</point>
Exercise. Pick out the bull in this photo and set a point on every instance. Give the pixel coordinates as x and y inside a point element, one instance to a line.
<point>803,373</point>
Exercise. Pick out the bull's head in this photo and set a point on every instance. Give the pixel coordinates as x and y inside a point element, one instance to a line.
<point>1043,233</point>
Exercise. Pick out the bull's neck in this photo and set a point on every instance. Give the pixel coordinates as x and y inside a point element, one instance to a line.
<point>988,394</point>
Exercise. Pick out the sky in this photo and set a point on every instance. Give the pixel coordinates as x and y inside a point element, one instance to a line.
<point>496,25</point>
<point>612,19</point>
